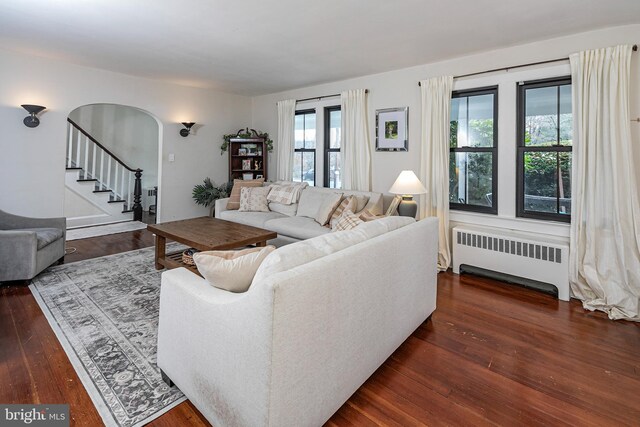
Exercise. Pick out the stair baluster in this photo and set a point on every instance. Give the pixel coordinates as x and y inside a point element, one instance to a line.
<point>137,193</point>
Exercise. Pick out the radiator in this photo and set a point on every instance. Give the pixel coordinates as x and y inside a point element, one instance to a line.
<point>523,255</point>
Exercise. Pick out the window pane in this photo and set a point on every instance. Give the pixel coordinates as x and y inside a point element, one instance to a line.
<point>564,190</point>
<point>458,129</point>
<point>541,116</point>
<point>334,170</point>
<point>566,116</point>
<point>470,178</point>
<point>299,131</point>
<point>310,130</point>
<point>297,166</point>
<point>540,181</point>
<point>480,132</point>
<point>308,167</point>
<point>335,129</point>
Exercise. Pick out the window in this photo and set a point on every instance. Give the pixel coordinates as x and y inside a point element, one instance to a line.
<point>332,141</point>
<point>304,156</point>
<point>545,133</point>
<point>473,158</point>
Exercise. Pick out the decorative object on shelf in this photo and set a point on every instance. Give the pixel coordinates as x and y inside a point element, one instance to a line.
<point>187,129</point>
<point>247,134</point>
<point>247,151</point>
<point>407,184</point>
<point>206,194</point>
<point>392,129</point>
<point>31,121</point>
<point>258,176</point>
<point>187,256</point>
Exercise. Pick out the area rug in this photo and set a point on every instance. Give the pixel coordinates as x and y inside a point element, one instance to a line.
<point>103,230</point>
<point>104,312</point>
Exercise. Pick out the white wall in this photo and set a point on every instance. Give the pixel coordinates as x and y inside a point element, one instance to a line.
<point>32,161</point>
<point>129,133</point>
<point>400,88</point>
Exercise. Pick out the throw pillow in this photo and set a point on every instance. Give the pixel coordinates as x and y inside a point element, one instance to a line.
<point>362,202</point>
<point>348,203</point>
<point>234,198</point>
<point>254,199</point>
<point>367,216</point>
<point>231,270</point>
<point>330,203</point>
<point>393,207</point>
<point>347,221</point>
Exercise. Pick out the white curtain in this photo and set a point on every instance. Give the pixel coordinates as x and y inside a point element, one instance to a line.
<point>434,158</point>
<point>355,150</point>
<point>286,137</point>
<point>605,215</point>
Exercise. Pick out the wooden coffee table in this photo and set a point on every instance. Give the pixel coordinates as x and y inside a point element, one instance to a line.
<point>204,234</point>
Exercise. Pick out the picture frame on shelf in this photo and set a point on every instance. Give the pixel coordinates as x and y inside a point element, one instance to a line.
<point>252,149</point>
<point>247,176</point>
<point>392,129</point>
<point>246,164</point>
<point>242,151</point>
<point>258,176</point>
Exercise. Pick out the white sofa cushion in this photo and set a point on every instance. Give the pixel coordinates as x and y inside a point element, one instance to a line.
<point>231,270</point>
<point>255,219</point>
<point>305,251</point>
<point>330,203</point>
<point>288,210</point>
<point>296,226</point>
<point>311,201</point>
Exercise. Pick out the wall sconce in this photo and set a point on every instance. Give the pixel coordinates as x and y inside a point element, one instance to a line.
<point>187,128</point>
<point>31,121</point>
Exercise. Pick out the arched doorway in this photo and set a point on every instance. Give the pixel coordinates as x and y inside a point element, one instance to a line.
<point>106,145</point>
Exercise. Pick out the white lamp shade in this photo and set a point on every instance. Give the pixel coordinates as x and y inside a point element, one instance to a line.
<point>407,183</point>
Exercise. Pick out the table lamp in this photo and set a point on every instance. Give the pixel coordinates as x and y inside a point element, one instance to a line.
<point>407,184</point>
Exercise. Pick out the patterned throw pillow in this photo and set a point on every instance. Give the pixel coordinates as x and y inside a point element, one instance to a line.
<point>347,221</point>
<point>348,203</point>
<point>254,199</point>
<point>366,215</point>
<point>238,184</point>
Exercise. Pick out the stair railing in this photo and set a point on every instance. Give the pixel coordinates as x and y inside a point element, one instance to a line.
<point>111,173</point>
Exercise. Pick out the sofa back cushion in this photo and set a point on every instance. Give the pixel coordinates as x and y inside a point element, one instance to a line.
<point>299,253</point>
<point>311,200</point>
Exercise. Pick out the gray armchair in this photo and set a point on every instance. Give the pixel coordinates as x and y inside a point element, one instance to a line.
<point>29,245</point>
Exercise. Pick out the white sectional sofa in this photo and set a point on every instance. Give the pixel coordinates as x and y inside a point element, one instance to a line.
<point>319,318</point>
<point>290,227</point>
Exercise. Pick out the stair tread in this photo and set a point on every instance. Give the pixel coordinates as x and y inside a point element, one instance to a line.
<point>74,169</point>
<point>86,179</point>
<point>117,201</point>
<point>102,191</point>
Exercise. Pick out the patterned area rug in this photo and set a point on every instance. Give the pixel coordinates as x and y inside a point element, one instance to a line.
<point>105,314</point>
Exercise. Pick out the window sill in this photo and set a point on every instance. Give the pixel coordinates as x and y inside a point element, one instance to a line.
<point>553,228</point>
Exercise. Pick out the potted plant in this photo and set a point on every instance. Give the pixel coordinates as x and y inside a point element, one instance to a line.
<point>207,193</point>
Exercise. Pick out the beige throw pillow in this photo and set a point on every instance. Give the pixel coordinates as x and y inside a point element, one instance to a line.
<point>393,207</point>
<point>234,198</point>
<point>231,270</point>
<point>254,199</point>
<point>348,203</point>
<point>347,221</point>
<point>330,203</point>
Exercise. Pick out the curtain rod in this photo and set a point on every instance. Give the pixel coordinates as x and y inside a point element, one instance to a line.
<point>634,48</point>
<point>318,98</point>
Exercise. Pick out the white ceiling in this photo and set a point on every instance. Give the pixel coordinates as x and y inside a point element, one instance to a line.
<point>254,47</point>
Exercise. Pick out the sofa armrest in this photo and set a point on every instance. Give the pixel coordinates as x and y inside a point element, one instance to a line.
<point>215,346</point>
<point>14,222</point>
<point>18,250</point>
<point>220,206</point>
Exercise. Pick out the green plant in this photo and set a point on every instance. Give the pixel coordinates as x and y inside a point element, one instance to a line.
<point>242,133</point>
<point>207,193</point>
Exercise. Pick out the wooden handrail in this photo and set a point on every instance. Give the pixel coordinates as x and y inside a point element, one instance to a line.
<point>85,133</point>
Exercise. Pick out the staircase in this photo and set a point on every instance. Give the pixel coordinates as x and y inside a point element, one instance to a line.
<point>110,188</point>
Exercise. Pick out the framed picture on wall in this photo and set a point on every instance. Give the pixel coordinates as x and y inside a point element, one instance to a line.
<point>392,129</point>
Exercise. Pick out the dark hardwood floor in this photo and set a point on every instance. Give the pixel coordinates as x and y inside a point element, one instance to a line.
<point>493,354</point>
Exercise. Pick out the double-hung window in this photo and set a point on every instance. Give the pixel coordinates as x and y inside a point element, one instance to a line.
<point>304,156</point>
<point>473,158</point>
<point>332,141</point>
<point>545,133</point>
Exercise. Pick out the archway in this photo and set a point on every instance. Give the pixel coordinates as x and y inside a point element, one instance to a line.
<point>106,144</point>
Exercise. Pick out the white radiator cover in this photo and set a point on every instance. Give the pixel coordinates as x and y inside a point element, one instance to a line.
<point>535,257</point>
